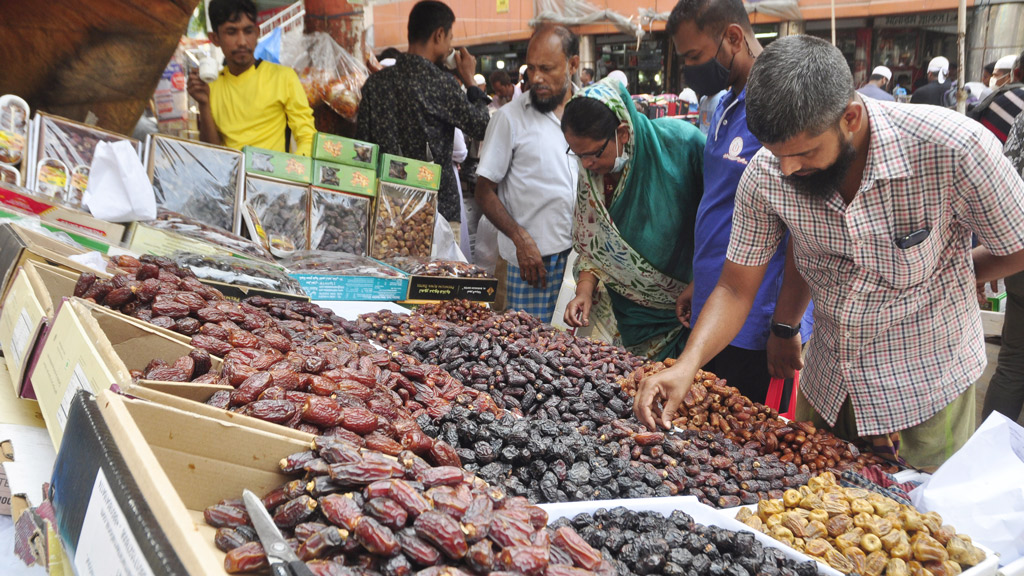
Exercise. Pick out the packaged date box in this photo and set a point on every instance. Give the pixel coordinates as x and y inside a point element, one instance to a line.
<point>282,210</point>
<point>403,224</point>
<point>339,222</point>
<point>347,151</point>
<point>399,170</point>
<point>282,165</point>
<point>197,180</point>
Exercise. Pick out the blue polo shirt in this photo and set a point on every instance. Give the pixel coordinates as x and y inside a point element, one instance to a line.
<point>730,146</point>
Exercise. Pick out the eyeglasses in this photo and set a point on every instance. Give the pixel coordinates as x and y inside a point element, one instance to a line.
<point>586,155</point>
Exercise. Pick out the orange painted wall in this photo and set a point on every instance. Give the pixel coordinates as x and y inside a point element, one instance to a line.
<point>478,21</point>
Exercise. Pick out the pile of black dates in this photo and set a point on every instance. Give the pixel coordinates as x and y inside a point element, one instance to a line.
<point>648,543</point>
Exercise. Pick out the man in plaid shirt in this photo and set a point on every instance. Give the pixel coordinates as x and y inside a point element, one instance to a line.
<point>881,201</point>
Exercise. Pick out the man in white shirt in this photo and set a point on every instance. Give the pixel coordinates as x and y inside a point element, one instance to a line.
<point>526,186</point>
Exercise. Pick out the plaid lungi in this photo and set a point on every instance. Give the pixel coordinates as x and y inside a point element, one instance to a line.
<point>538,302</point>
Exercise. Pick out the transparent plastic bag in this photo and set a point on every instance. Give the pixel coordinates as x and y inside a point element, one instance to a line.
<point>14,114</point>
<point>337,264</point>
<point>327,72</point>
<point>404,222</point>
<point>174,222</point>
<point>196,180</point>
<point>339,222</point>
<point>283,211</point>
<point>239,271</point>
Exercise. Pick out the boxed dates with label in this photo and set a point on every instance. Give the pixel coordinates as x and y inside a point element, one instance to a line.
<point>146,472</point>
<point>275,164</point>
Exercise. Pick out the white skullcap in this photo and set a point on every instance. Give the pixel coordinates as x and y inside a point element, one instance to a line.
<point>522,69</point>
<point>882,71</point>
<point>1006,62</point>
<point>939,65</point>
<point>620,76</point>
<point>479,79</point>
<point>688,95</point>
<point>387,62</point>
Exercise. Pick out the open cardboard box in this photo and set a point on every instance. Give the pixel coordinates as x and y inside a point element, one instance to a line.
<point>32,298</point>
<point>162,467</point>
<point>48,210</point>
<point>90,347</point>
<point>19,245</point>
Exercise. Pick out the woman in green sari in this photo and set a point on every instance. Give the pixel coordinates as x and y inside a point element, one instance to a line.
<point>639,187</point>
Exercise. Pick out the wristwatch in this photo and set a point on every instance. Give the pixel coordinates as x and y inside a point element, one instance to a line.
<point>784,330</point>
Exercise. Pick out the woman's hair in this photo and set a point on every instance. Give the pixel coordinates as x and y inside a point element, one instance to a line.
<point>589,118</point>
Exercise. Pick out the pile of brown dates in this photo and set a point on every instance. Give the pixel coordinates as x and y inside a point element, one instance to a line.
<point>356,511</point>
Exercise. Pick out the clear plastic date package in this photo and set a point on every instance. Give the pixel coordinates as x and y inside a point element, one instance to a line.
<point>282,210</point>
<point>404,221</point>
<point>339,222</point>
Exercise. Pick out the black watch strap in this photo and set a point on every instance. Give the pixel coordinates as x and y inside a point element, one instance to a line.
<point>784,330</point>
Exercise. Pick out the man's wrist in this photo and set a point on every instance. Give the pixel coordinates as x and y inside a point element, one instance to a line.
<point>785,329</point>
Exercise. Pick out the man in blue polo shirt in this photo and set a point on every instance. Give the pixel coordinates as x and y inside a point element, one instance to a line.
<point>717,47</point>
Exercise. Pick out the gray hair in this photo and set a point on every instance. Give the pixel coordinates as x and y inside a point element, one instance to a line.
<point>798,84</point>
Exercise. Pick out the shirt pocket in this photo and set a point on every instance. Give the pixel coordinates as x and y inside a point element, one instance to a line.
<point>904,268</point>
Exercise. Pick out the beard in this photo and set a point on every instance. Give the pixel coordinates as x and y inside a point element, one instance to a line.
<point>549,104</point>
<point>824,182</point>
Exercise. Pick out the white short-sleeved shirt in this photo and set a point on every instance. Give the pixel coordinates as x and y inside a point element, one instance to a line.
<point>524,152</point>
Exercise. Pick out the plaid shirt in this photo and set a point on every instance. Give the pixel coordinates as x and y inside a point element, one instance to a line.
<point>898,330</point>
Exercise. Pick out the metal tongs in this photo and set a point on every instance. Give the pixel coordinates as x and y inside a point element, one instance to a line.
<point>283,561</point>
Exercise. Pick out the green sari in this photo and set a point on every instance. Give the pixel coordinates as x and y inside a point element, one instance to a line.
<point>641,245</point>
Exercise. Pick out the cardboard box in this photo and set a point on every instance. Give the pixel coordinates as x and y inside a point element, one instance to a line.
<point>48,211</point>
<point>347,151</point>
<point>91,348</point>
<point>278,165</point>
<point>197,180</point>
<point>164,466</point>
<point>434,288</point>
<point>417,173</point>
<point>34,295</point>
<point>19,245</point>
<point>146,239</point>
<point>88,242</point>
<point>344,178</point>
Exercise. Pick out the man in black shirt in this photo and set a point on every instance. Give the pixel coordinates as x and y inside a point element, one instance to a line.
<point>412,108</point>
<point>934,92</point>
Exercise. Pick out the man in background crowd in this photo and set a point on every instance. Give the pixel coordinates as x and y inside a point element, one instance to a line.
<point>526,184</point>
<point>998,110</point>
<point>412,108</point>
<point>934,92</point>
<point>504,89</point>
<point>587,77</point>
<point>878,84</point>
<point>717,47</point>
<point>252,102</point>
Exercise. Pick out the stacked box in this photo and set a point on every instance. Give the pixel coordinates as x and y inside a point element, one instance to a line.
<point>345,151</point>
<point>280,165</point>
<point>282,209</point>
<point>197,180</point>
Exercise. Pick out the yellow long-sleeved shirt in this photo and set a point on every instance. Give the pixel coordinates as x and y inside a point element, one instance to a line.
<point>253,108</point>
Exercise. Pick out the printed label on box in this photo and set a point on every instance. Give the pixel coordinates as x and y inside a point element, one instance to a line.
<point>107,545</point>
<point>78,382</point>
<point>20,339</point>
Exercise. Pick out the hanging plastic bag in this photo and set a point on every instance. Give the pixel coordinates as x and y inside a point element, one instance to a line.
<point>327,72</point>
<point>269,48</point>
<point>118,188</point>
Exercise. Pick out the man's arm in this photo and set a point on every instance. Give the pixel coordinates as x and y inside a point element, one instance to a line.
<point>988,267</point>
<point>785,355</point>
<point>299,114</point>
<point>531,264</point>
<point>720,321</point>
<point>200,92</point>
<point>468,111</point>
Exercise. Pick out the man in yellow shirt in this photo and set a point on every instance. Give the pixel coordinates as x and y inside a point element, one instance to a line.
<point>252,101</point>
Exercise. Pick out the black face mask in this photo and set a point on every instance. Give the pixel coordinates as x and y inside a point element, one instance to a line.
<point>710,77</point>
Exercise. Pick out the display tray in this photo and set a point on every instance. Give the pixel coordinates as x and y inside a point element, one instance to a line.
<point>700,513</point>
<point>988,567</point>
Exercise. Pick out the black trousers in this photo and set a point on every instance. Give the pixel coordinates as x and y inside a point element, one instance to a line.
<point>747,370</point>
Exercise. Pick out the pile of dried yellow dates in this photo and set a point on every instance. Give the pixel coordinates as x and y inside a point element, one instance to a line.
<point>857,531</point>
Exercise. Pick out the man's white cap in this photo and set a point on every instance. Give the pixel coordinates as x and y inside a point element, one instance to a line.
<point>939,65</point>
<point>1006,62</point>
<point>387,62</point>
<point>688,95</point>
<point>882,71</point>
<point>522,69</point>
<point>620,76</point>
<point>479,79</point>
